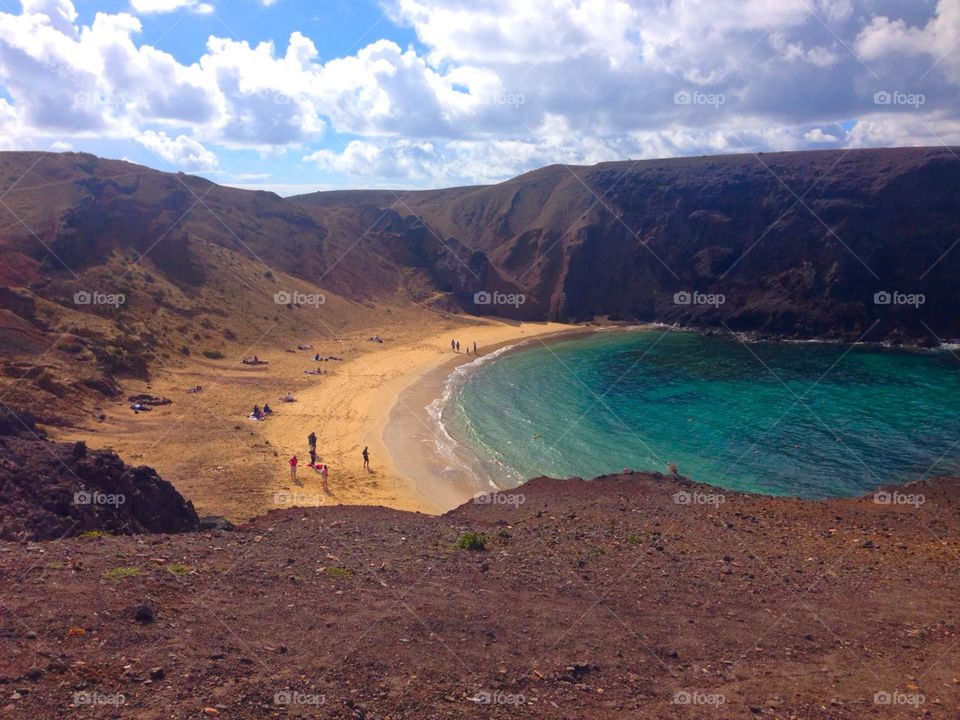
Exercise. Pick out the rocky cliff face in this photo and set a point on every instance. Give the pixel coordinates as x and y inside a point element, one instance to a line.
<point>56,490</point>
<point>797,244</point>
<point>834,244</point>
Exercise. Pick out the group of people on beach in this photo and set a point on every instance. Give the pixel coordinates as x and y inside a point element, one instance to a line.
<point>455,346</point>
<point>320,467</point>
<point>259,413</point>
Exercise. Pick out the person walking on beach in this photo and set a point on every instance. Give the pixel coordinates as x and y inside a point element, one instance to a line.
<point>458,346</point>
<point>313,457</point>
<point>453,344</point>
<point>293,468</point>
<point>366,457</point>
<point>474,347</point>
<point>324,472</point>
<point>312,441</point>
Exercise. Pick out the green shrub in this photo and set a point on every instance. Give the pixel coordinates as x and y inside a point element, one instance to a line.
<point>121,573</point>
<point>471,540</point>
<point>340,573</point>
<point>179,569</point>
<point>213,354</point>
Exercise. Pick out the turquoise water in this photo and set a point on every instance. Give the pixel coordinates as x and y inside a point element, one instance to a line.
<point>810,420</point>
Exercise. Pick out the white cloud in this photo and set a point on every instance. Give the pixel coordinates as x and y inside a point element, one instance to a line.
<point>146,7</point>
<point>899,130</point>
<point>938,39</point>
<point>817,135</point>
<point>61,146</point>
<point>493,89</point>
<point>182,152</point>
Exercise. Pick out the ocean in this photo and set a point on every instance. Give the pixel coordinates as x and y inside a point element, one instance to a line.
<point>812,420</point>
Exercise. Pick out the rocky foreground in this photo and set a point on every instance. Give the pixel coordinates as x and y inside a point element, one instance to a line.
<point>54,490</point>
<point>631,596</point>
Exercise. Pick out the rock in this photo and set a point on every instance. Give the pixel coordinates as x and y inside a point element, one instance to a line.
<point>79,450</point>
<point>157,673</point>
<point>215,522</point>
<point>143,614</point>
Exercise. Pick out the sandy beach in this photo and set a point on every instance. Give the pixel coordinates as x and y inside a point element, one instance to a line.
<point>351,410</point>
<point>228,464</point>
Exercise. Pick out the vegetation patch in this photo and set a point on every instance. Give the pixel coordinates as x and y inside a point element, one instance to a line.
<point>121,573</point>
<point>473,541</point>
<point>337,572</point>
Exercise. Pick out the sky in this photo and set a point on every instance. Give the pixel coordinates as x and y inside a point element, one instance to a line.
<point>298,95</point>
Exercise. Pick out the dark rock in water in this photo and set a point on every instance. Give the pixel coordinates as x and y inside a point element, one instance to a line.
<point>214,522</point>
<point>143,614</point>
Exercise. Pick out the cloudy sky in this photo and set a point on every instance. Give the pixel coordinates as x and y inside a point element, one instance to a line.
<point>294,95</point>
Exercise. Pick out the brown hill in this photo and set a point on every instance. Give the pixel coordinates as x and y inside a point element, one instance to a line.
<point>798,243</point>
<point>597,599</point>
<point>113,270</point>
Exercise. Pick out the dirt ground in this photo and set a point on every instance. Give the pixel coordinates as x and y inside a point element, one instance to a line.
<point>631,596</point>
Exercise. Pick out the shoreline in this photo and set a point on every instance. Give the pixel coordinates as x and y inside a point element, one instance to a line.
<point>411,432</point>
<point>364,396</point>
<point>377,397</point>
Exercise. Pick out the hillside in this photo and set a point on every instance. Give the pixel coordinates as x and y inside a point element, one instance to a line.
<point>798,243</point>
<point>588,600</point>
<point>112,272</point>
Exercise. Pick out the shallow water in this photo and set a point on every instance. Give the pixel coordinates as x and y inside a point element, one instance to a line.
<point>811,420</point>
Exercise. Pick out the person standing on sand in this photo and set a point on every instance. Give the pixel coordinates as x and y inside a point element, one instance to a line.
<point>366,457</point>
<point>324,472</point>
<point>293,468</point>
<point>312,440</point>
<point>313,457</point>
<point>453,344</point>
<point>474,347</point>
<point>458,346</point>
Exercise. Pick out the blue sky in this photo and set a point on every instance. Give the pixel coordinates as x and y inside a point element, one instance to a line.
<point>293,96</point>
